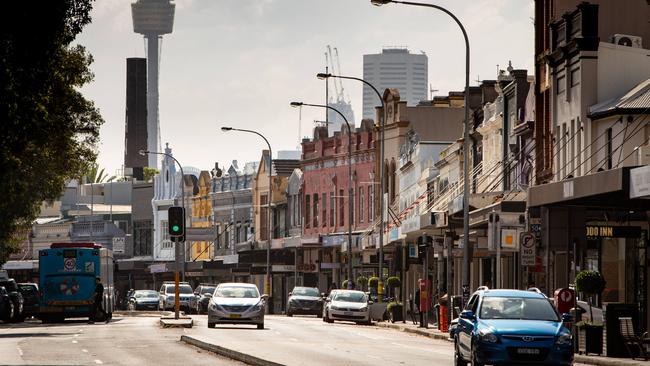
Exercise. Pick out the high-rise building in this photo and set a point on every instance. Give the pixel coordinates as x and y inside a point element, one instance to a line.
<point>135,131</point>
<point>336,122</point>
<point>394,68</point>
<point>152,19</point>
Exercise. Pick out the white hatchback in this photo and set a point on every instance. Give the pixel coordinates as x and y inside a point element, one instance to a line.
<point>348,305</point>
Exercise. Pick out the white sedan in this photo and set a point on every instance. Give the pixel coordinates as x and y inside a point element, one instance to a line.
<point>236,303</point>
<point>347,305</point>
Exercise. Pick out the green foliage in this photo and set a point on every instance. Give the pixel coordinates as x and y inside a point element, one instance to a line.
<point>392,304</point>
<point>373,282</point>
<point>149,173</point>
<point>49,130</point>
<point>590,282</point>
<point>362,282</point>
<point>344,284</point>
<point>94,175</point>
<point>584,324</point>
<point>393,282</point>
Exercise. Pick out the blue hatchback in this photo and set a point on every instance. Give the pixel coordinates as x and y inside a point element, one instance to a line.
<point>512,326</point>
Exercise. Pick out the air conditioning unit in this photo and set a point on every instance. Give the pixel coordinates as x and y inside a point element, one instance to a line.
<point>627,40</point>
<point>643,157</point>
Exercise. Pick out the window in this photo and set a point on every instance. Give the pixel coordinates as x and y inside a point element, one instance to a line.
<point>324,203</point>
<point>575,77</point>
<point>332,209</point>
<point>361,211</point>
<point>371,203</point>
<point>352,206</point>
<point>164,237</point>
<point>264,218</point>
<point>307,210</point>
<point>341,208</point>
<point>560,84</point>
<point>315,210</point>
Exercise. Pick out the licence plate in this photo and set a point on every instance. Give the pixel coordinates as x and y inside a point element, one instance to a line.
<point>528,351</point>
<point>235,316</point>
<point>348,313</point>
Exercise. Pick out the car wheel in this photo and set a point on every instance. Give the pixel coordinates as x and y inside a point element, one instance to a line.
<point>260,326</point>
<point>10,313</point>
<point>289,314</point>
<point>211,325</point>
<point>327,318</point>
<point>458,359</point>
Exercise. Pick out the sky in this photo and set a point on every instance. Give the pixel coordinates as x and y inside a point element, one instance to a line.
<point>241,62</point>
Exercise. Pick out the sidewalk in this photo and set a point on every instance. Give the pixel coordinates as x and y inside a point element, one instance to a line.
<point>433,332</point>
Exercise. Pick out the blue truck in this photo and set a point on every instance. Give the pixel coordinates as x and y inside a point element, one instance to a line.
<point>67,273</point>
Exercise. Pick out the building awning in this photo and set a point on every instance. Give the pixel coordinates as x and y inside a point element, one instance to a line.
<point>635,101</point>
<point>605,189</point>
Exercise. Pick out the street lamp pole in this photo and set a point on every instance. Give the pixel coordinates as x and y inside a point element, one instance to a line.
<point>467,253</point>
<point>180,246</point>
<point>350,187</point>
<point>267,284</point>
<point>380,285</point>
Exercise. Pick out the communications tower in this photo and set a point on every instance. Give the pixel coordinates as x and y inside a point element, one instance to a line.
<point>152,19</point>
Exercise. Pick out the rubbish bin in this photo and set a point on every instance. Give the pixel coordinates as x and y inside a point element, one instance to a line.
<point>613,311</point>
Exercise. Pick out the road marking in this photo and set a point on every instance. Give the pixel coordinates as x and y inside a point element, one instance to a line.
<point>76,335</point>
<point>294,339</point>
<point>75,342</point>
<point>20,351</point>
<point>84,350</point>
<point>373,356</point>
<point>99,362</point>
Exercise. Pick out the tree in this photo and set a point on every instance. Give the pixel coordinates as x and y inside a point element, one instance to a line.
<point>92,175</point>
<point>49,130</point>
<point>149,173</point>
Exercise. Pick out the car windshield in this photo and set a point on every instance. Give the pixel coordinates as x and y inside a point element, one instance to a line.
<point>237,292</point>
<point>207,290</point>
<point>28,289</point>
<point>517,308</point>
<point>305,291</point>
<point>183,289</point>
<point>350,297</point>
<point>146,294</point>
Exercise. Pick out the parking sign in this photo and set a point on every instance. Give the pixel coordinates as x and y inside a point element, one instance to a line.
<point>527,249</point>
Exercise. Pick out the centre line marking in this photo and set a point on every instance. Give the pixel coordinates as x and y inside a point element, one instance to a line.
<point>20,351</point>
<point>84,350</point>
<point>75,342</point>
<point>99,362</point>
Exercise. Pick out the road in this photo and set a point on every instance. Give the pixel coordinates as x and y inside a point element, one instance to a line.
<point>308,340</point>
<point>125,341</point>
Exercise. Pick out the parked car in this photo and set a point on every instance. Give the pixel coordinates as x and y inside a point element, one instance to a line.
<point>347,305</point>
<point>203,295</point>
<point>167,297</point>
<point>236,303</point>
<point>512,326</point>
<point>31,298</point>
<point>6,306</point>
<point>124,302</point>
<point>305,300</point>
<point>16,297</point>
<point>144,300</point>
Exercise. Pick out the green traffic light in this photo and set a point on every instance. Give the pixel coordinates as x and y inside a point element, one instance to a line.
<point>176,228</point>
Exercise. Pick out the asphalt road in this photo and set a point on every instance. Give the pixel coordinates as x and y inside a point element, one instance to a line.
<point>124,341</point>
<point>310,341</point>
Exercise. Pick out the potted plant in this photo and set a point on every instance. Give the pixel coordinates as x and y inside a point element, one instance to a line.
<point>590,283</point>
<point>362,282</point>
<point>392,283</point>
<point>372,285</point>
<point>394,310</point>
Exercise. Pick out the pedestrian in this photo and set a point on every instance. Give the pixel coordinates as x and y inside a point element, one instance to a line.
<point>531,284</point>
<point>97,301</point>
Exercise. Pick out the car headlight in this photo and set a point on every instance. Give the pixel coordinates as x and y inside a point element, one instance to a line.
<point>564,339</point>
<point>487,336</point>
<point>170,297</point>
<point>332,307</point>
<point>365,308</point>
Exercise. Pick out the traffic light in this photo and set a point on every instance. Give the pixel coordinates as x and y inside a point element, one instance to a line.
<point>424,241</point>
<point>176,219</point>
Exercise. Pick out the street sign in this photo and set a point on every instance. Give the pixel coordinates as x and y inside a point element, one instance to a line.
<point>527,249</point>
<point>509,239</point>
<point>413,251</point>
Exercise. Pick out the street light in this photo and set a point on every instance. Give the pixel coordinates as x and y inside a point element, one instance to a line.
<point>380,284</point>
<point>466,247</point>
<point>350,188</point>
<point>180,246</point>
<point>267,284</point>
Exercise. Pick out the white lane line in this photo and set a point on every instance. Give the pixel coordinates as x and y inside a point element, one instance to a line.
<point>76,335</point>
<point>84,350</point>
<point>75,342</point>
<point>99,362</point>
<point>20,351</point>
<point>373,356</point>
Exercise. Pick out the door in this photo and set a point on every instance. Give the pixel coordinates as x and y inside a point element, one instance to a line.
<point>466,328</point>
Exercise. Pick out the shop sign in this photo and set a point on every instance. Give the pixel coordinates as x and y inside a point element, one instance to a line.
<point>306,267</point>
<point>605,231</point>
<point>640,182</point>
<point>509,239</point>
<point>326,265</point>
<point>527,249</point>
<point>158,268</point>
<point>283,268</point>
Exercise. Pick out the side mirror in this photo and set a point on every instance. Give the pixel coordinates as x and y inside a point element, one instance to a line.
<point>370,302</point>
<point>290,293</point>
<point>567,318</point>
<point>467,314</point>
<point>265,297</point>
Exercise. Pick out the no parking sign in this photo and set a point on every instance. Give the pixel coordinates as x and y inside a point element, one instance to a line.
<point>527,249</point>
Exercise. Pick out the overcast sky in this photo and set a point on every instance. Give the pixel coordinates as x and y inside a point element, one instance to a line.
<point>240,63</point>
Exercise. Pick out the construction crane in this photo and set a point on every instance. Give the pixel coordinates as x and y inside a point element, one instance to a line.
<point>339,72</point>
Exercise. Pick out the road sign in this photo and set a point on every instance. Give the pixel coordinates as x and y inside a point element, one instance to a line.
<point>119,244</point>
<point>527,249</point>
<point>69,264</point>
<point>509,239</point>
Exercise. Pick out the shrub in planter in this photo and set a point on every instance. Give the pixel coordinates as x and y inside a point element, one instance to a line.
<point>394,310</point>
<point>392,282</point>
<point>591,336</point>
<point>372,284</point>
<point>590,283</point>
